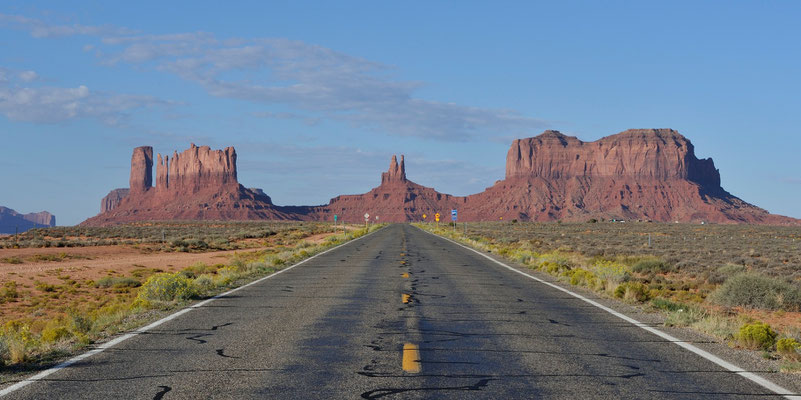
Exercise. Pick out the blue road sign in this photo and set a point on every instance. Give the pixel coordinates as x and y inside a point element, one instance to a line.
<point>453,215</point>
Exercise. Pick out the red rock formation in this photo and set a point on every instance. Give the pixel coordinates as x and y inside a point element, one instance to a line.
<point>395,200</point>
<point>647,174</point>
<point>141,169</point>
<point>113,199</point>
<point>199,183</point>
<point>659,154</point>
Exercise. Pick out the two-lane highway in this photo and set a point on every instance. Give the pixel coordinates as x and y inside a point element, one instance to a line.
<point>397,314</point>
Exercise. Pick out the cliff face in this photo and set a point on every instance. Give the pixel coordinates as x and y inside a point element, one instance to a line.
<point>12,221</point>
<point>660,154</point>
<point>141,169</point>
<point>113,199</point>
<point>196,169</point>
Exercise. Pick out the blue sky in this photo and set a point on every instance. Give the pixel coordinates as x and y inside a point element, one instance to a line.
<point>317,97</point>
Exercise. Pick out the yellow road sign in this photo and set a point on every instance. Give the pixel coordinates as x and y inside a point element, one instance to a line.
<point>424,216</point>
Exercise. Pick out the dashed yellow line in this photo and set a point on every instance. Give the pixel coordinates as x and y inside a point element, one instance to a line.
<point>406,298</point>
<point>411,359</point>
<point>405,275</point>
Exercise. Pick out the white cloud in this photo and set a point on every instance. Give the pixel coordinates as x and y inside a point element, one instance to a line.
<point>28,76</point>
<point>313,79</point>
<point>40,29</point>
<point>318,81</point>
<point>48,104</point>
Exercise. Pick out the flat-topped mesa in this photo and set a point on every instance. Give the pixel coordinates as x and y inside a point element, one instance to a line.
<point>396,172</point>
<point>195,169</point>
<point>141,169</point>
<point>661,154</point>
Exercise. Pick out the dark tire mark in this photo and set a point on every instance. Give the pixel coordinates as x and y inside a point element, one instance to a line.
<point>160,395</point>
<point>198,337</point>
<point>220,352</point>
<point>378,393</point>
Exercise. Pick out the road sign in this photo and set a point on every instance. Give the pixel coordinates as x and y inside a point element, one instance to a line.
<point>453,215</point>
<point>366,216</point>
<point>424,216</point>
<point>436,216</point>
<point>335,218</point>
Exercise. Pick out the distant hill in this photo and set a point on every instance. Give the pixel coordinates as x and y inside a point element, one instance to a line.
<point>11,220</point>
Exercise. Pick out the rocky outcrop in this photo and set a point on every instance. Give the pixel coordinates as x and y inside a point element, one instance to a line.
<point>395,200</point>
<point>141,169</point>
<point>113,199</point>
<point>196,169</point>
<point>12,221</point>
<point>660,154</point>
<point>641,174</point>
<point>396,172</point>
<point>198,183</point>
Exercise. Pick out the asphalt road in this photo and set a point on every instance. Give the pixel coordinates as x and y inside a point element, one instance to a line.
<point>336,327</point>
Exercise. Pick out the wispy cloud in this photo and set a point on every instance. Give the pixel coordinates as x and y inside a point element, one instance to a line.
<point>314,80</point>
<point>41,29</point>
<point>21,101</point>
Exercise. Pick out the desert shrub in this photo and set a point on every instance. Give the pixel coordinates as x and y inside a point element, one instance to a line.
<point>11,260</point>
<point>165,287</point>
<point>651,265</point>
<point>632,291</point>
<point>758,291</point>
<point>204,283</point>
<point>55,330</point>
<point>583,277</point>
<point>789,348</point>
<point>117,282</point>
<point>8,292</point>
<point>756,336</point>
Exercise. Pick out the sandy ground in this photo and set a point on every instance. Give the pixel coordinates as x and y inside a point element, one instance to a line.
<point>82,264</point>
<point>93,262</point>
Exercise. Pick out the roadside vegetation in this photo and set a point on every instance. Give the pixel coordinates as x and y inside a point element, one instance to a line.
<point>50,321</point>
<point>741,284</point>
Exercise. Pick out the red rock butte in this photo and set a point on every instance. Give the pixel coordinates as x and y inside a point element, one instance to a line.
<point>639,174</point>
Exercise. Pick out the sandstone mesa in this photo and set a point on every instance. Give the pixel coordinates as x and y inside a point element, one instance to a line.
<point>638,174</point>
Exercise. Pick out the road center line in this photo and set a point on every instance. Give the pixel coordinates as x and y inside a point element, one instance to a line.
<point>411,359</point>
<point>104,346</point>
<point>765,383</point>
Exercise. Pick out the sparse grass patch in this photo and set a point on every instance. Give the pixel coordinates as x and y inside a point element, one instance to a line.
<point>117,282</point>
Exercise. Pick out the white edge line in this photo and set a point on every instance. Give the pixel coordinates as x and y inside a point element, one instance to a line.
<point>765,383</point>
<point>100,348</point>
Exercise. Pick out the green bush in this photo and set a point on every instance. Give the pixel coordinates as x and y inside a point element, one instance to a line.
<point>583,277</point>
<point>653,265</point>
<point>756,336</point>
<point>789,348</point>
<point>165,287</point>
<point>9,292</point>
<point>632,291</point>
<point>117,282</point>
<point>758,291</point>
